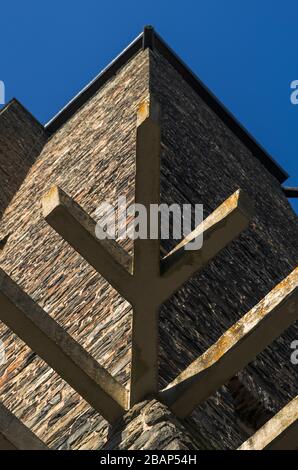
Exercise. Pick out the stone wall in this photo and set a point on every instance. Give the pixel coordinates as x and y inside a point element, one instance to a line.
<point>92,158</point>
<point>203,162</point>
<point>21,140</point>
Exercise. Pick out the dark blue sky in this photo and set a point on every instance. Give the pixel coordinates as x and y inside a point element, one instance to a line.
<point>245,52</point>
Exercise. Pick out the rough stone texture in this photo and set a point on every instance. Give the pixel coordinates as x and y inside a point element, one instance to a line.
<point>203,162</point>
<point>21,140</point>
<point>150,425</point>
<point>92,158</point>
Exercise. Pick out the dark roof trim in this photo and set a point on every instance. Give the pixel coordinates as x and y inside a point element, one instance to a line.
<point>290,192</point>
<point>149,38</point>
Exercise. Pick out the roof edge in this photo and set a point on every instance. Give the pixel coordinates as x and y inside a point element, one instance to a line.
<point>150,39</point>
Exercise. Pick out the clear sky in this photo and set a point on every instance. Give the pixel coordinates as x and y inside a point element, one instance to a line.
<point>245,52</point>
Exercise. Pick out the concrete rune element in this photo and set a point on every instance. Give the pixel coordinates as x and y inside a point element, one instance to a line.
<point>146,281</point>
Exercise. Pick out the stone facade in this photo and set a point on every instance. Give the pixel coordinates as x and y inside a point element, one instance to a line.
<point>21,140</point>
<point>202,161</point>
<point>92,158</point>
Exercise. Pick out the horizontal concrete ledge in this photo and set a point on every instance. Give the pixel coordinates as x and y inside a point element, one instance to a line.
<point>57,348</point>
<point>279,433</point>
<point>235,348</point>
<point>76,227</point>
<point>218,230</point>
<point>14,435</point>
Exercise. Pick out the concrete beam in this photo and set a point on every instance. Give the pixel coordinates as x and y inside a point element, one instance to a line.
<point>279,433</point>
<point>235,348</point>
<point>218,230</point>
<point>56,347</point>
<point>78,229</point>
<point>147,187</point>
<point>14,435</point>
<point>144,368</point>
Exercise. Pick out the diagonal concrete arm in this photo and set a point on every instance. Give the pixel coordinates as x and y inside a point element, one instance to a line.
<point>219,229</point>
<point>235,348</point>
<point>70,360</point>
<point>78,229</point>
<point>14,435</point>
<point>279,433</point>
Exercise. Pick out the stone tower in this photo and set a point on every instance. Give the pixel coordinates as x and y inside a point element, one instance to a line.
<point>145,345</point>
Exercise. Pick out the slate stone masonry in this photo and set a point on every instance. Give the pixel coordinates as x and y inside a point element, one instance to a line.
<point>91,157</point>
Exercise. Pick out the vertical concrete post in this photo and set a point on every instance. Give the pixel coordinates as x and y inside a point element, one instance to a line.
<point>146,264</point>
